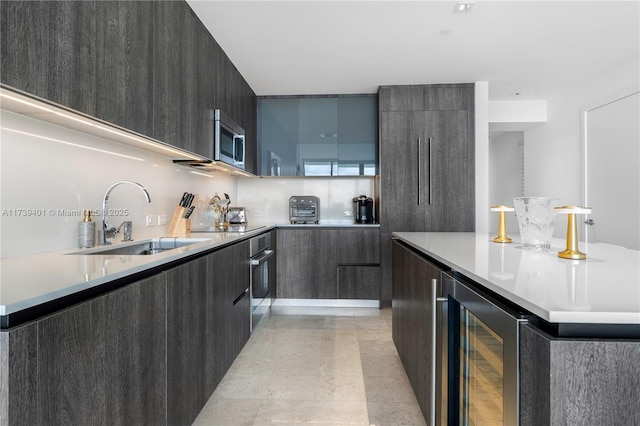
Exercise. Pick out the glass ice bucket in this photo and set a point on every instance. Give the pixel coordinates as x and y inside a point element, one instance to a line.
<point>536,218</point>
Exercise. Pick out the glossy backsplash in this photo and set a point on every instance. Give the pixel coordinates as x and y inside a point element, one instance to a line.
<point>50,173</point>
<point>267,200</point>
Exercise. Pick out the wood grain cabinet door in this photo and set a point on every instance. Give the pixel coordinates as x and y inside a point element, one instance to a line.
<point>412,324</point>
<point>186,341</point>
<point>95,57</point>
<point>103,361</point>
<point>307,264</point>
<point>402,171</point>
<point>448,184</point>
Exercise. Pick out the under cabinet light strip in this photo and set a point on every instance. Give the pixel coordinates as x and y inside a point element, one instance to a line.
<point>201,174</point>
<point>91,123</point>
<point>71,144</point>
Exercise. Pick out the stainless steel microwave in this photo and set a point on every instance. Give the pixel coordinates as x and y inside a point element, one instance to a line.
<point>229,140</point>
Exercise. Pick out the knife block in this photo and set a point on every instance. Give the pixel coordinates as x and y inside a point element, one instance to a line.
<point>179,226</point>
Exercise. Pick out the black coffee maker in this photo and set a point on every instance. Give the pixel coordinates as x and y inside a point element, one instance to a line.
<point>363,209</point>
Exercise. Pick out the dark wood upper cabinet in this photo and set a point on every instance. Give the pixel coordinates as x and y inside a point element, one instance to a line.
<point>183,101</point>
<point>147,66</point>
<point>427,161</point>
<point>92,56</point>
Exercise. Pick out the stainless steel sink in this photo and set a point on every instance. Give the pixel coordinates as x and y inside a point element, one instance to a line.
<point>143,248</point>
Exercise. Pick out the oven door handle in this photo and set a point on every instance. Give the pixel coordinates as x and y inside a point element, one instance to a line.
<point>257,261</point>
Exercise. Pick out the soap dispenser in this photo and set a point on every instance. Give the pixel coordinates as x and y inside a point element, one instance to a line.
<point>86,231</point>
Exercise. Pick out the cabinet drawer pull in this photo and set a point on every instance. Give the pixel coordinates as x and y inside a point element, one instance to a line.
<point>418,185</point>
<point>430,174</point>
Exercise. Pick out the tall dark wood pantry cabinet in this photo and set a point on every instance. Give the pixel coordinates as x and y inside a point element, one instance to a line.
<point>427,162</point>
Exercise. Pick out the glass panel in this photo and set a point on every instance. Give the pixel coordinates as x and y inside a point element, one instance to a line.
<point>296,133</point>
<point>481,372</point>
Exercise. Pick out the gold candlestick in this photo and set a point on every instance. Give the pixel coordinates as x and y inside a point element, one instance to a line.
<point>502,224</point>
<point>571,251</point>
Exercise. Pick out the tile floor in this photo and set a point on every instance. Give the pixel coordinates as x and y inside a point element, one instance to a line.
<point>316,366</point>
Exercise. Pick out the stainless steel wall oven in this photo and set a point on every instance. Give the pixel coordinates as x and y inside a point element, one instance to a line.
<point>263,269</point>
<point>477,357</point>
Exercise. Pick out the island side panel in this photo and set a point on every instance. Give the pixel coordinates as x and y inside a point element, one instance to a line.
<point>579,381</point>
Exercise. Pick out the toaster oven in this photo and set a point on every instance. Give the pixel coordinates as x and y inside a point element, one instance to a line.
<point>237,215</point>
<point>304,209</point>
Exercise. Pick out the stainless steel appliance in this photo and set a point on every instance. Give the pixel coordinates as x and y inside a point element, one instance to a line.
<point>304,209</point>
<point>263,270</point>
<point>363,209</point>
<point>477,358</point>
<point>237,215</point>
<point>229,142</point>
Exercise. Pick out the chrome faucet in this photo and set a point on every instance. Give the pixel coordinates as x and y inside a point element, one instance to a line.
<point>106,233</point>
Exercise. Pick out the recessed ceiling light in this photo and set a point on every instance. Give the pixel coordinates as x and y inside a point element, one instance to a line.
<point>463,6</point>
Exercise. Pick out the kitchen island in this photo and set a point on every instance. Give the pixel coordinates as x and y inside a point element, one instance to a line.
<point>576,353</point>
<point>602,289</point>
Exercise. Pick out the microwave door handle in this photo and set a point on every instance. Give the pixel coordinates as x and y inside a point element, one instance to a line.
<point>236,158</point>
<point>233,149</point>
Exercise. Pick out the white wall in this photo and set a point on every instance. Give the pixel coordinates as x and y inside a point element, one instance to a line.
<point>553,163</point>
<point>48,176</point>
<point>505,176</point>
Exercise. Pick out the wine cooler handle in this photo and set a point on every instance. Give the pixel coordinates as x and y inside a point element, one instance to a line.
<point>436,288</point>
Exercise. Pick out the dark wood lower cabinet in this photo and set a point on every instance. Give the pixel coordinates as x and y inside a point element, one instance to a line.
<point>311,263</point>
<point>149,353</point>
<point>186,341</point>
<point>578,381</point>
<point>359,282</point>
<point>205,329</point>
<point>412,324</point>
<point>241,296</point>
<point>19,376</point>
<point>219,330</point>
<point>95,359</point>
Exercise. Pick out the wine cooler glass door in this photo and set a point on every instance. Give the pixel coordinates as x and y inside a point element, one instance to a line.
<point>481,372</point>
<point>480,360</point>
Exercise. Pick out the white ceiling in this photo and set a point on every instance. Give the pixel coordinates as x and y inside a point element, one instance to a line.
<point>331,47</point>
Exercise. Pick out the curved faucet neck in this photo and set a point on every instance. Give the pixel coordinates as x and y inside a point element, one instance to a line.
<point>105,200</point>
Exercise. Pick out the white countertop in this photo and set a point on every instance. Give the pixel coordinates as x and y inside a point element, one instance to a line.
<point>28,281</point>
<point>604,288</point>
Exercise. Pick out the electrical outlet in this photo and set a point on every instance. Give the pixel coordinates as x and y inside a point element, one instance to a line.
<point>258,213</point>
<point>162,219</point>
<point>151,220</point>
<point>347,213</point>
